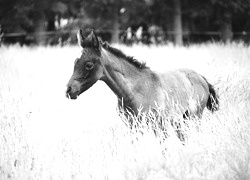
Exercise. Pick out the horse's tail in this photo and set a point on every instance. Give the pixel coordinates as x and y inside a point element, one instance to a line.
<point>213,99</point>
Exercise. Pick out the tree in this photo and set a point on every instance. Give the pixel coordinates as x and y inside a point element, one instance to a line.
<point>106,14</point>
<point>14,15</point>
<point>168,14</point>
<point>40,20</point>
<point>44,13</point>
<point>198,15</point>
<point>113,14</point>
<point>177,17</point>
<point>225,11</point>
<point>178,33</point>
<point>34,16</point>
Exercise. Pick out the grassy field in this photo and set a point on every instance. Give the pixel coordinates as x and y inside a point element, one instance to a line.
<point>43,135</point>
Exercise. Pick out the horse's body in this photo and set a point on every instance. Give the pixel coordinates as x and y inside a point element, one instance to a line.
<point>135,85</point>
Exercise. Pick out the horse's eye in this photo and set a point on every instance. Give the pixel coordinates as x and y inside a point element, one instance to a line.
<point>89,65</point>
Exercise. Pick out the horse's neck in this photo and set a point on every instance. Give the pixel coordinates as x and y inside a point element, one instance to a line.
<point>121,77</point>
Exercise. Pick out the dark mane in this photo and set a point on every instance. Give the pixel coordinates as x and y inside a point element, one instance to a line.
<point>120,54</point>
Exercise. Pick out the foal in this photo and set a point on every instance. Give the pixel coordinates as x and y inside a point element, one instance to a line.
<point>135,85</point>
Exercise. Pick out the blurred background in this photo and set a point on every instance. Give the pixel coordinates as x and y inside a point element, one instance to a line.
<point>55,22</point>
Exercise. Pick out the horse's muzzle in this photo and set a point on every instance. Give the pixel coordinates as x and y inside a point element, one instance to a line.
<point>70,94</point>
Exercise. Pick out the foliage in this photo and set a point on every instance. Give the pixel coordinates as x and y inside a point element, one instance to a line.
<point>114,16</point>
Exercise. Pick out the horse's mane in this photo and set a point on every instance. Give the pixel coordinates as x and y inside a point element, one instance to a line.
<point>120,54</point>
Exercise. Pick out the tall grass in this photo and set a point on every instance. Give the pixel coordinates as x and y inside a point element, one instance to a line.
<point>46,136</point>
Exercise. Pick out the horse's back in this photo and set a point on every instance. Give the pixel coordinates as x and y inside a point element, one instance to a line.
<point>186,88</point>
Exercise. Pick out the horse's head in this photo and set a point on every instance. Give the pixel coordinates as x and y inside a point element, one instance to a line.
<point>87,68</point>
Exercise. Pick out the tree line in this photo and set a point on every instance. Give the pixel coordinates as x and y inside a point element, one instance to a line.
<point>178,21</point>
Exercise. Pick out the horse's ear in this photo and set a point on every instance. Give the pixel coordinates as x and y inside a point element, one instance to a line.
<point>80,38</point>
<point>93,39</point>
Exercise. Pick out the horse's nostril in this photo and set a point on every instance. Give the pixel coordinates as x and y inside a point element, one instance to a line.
<point>68,92</point>
<point>68,89</point>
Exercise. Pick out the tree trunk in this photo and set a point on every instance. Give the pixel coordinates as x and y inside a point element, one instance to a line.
<point>116,24</point>
<point>51,22</point>
<point>226,27</point>
<point>178,34</point>
<point>40,20</point>
<point>115,33</point>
